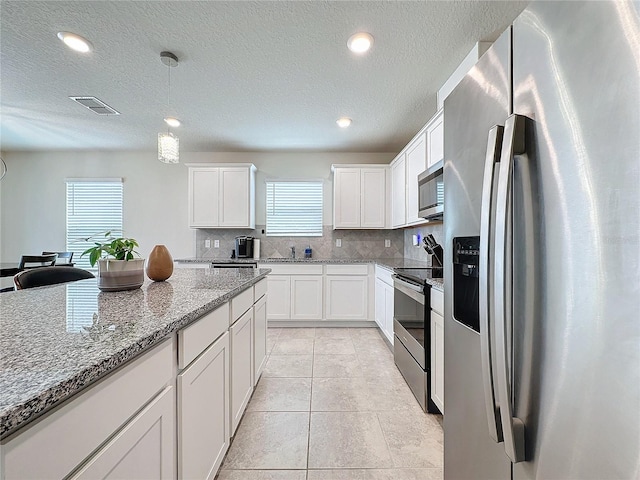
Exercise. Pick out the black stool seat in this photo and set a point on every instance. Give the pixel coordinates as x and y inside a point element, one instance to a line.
<point>39,277</point>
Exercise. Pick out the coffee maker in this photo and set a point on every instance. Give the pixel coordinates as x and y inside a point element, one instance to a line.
<point>244,247</point>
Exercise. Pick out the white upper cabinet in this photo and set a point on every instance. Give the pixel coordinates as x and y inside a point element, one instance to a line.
<point>359,196</point>
<point>222,195</point>
<point>398,192</point>
<point>203,196</point>
<point>435,139</point>
<point>425,149</point>
<point>346,198</point>
<point>237,197</point>
<point>416,164</point>
<point>373,197</point>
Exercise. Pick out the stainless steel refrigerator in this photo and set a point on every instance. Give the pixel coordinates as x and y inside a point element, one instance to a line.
<point>542,254</point>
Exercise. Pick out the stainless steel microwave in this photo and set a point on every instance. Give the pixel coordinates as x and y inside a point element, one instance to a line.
<point>431,192</point>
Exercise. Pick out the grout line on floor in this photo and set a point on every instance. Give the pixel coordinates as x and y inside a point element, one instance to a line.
<point>310,400</point>
<point>384,435</point>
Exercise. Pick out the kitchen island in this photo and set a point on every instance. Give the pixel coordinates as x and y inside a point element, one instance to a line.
<point>69,344</point>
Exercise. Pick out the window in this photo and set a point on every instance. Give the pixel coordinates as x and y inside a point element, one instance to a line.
<point>94,207</point>
<point>294,208</point>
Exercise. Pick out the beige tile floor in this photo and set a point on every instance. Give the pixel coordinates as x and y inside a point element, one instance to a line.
<point>331,405</point>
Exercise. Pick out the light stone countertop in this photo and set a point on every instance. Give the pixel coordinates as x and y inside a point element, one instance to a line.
<point>389,263</point>
<point>57,340</point>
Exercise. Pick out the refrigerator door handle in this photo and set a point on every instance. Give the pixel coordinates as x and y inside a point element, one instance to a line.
<point>494,145</point>
<point>512,427</point>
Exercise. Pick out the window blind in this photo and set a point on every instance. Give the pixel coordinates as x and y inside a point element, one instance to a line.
<point>294,208</point>
<point>94,207</point>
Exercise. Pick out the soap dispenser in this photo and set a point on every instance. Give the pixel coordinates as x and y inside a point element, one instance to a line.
<point>307,252</point>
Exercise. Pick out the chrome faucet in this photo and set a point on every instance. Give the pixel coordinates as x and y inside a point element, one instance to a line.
<point>293,252</point>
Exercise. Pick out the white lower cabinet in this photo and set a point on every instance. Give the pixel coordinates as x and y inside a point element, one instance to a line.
<point>384,302</point>
<point>203,412</point>
<point>241,334</point>
<point>437,349</point>
<point>379,304</point>
<point>306,297</point>
<point>144,448</point>
<point>313,292</point>
<point>295,292</point>
<point>388,312</point>
<point>346,296</point>
<point>260,338</point>
<point>279,287</point>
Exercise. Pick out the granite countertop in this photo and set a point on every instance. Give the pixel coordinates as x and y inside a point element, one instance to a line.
<point>56,340</point>
<point>389,263</point>
<point>386,262</point>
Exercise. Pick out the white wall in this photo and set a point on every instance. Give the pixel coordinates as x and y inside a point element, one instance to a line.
<point>32,194</point>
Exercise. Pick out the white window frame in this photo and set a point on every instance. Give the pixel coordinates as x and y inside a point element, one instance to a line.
<point>305,221</point>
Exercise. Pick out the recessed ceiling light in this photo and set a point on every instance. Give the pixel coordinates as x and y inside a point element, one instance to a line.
<point>343,122</point>
<point>75,42</point>
<point>172,121</point>
<point>360,42</point>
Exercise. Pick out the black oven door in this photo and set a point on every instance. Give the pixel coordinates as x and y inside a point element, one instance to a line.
<point>409,317</point>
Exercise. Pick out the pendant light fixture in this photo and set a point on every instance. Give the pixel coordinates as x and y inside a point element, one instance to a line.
<point>168,143</point>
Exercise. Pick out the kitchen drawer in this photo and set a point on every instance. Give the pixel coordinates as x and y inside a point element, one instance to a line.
<point>240,304</point>
<point>384,274</point>
<point>259,290</point>
<point>293,268</point>
<point>195,338</point>
<point>360,269</point>
<point>437,301</point>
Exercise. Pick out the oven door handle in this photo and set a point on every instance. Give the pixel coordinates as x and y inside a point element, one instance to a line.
<point>416,292</point>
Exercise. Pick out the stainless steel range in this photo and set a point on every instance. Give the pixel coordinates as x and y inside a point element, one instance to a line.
<point>412,332</point>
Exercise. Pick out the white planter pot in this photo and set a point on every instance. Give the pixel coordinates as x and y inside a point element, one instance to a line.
<point>117,275</point>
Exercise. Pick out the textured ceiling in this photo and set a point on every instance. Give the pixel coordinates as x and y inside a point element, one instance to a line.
<point>252,75</point>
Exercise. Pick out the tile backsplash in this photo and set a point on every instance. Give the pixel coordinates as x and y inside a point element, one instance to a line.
<point>418,252</point>
<point>356,244</point>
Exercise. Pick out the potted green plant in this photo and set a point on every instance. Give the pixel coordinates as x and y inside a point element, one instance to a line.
<point>118,269</point>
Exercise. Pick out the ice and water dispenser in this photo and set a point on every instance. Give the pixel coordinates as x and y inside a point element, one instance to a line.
<point>466,259</point>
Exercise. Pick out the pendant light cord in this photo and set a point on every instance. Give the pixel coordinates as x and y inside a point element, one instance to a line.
<point>169,96</point>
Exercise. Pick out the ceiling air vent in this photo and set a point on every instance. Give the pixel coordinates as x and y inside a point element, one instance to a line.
<point>95,105</point>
